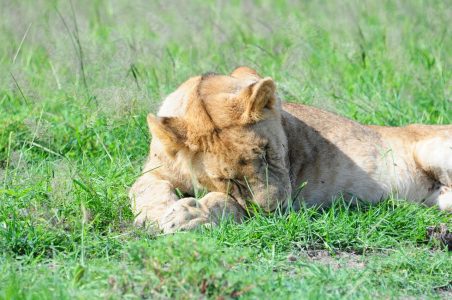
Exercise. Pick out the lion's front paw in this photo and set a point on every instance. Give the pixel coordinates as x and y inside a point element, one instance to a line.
<point>148,216</point>
<point>185,214</point>
<point>144,222</point>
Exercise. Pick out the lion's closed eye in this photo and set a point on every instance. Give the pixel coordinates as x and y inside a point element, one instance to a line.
<point>243,162</point>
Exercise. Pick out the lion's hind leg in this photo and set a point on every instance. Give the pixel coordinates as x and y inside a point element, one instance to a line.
<point>445,198</point>
<point>441,197</point>
<point>434,156</point>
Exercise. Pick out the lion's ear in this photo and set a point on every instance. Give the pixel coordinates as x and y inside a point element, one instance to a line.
<point>246,73</point>
<point>171,131</point>
<point>255,97</point>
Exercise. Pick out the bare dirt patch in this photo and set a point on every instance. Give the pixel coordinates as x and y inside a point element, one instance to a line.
<point>335,260</point>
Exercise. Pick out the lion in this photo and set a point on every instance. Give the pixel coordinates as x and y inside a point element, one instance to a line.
<point>232,137</point>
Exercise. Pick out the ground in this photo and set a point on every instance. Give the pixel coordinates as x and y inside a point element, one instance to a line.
<point>77,79</point>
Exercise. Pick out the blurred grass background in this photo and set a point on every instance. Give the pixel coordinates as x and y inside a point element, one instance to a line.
<point>77,80</point>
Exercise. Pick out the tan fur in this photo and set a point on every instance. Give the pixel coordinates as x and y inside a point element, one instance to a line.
<point>231,136</point>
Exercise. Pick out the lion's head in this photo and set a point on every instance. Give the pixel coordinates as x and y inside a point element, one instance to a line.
<point>229,130</point>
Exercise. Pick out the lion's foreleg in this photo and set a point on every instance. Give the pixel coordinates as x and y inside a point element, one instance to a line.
<point>151,197</point>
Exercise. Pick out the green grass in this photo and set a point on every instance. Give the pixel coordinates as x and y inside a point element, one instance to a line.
<point>72,142</point>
